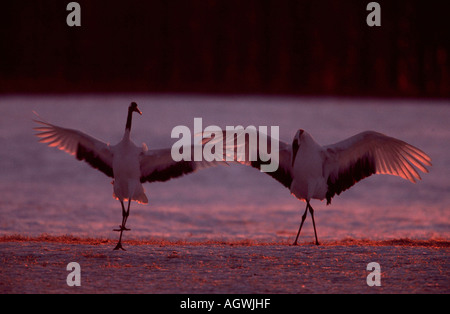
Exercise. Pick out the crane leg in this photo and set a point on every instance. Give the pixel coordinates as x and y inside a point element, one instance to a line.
<point>311,210</point>
<point>125,214</point>
<point>119,244</point>
<point>301,224</point>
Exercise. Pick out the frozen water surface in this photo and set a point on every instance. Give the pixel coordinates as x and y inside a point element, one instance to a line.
<point>44,190</point>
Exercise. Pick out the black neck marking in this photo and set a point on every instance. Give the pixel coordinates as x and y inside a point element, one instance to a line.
<point>130,116</point>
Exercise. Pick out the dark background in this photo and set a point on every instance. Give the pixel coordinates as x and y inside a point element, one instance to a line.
<point>301,47</point>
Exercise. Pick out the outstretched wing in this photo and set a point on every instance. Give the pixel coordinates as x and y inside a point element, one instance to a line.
<point>245,146</point>
<point>367,153</point>
<point>84,147</point>
<point>158,165</point>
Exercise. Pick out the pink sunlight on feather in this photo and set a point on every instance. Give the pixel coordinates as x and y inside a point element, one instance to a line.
<point>45,191</point>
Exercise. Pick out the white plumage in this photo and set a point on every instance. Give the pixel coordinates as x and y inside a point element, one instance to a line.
<point>128,164</point>
<point>311,171</point>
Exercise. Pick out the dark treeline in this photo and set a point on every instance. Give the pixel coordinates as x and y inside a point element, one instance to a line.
<point>227,46</point>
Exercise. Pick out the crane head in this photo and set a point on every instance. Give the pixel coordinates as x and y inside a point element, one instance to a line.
<point>134,108</point>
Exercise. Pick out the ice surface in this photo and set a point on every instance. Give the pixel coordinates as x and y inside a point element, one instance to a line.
<point>44,190</point>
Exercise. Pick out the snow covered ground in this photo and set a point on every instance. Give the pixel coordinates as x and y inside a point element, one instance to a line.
<point>44,190</point>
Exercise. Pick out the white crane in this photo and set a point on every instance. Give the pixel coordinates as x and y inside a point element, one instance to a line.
<point>128,164</point>
<point>311,171</point>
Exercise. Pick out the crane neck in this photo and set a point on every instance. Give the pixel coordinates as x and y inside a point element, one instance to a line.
<point>129,118</point>
<point>128,126</point>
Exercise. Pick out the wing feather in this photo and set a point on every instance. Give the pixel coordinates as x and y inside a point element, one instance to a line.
<point>158,165</point>
<point>254,157</point>
<point>367,153</point>
<point>76,143</point>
